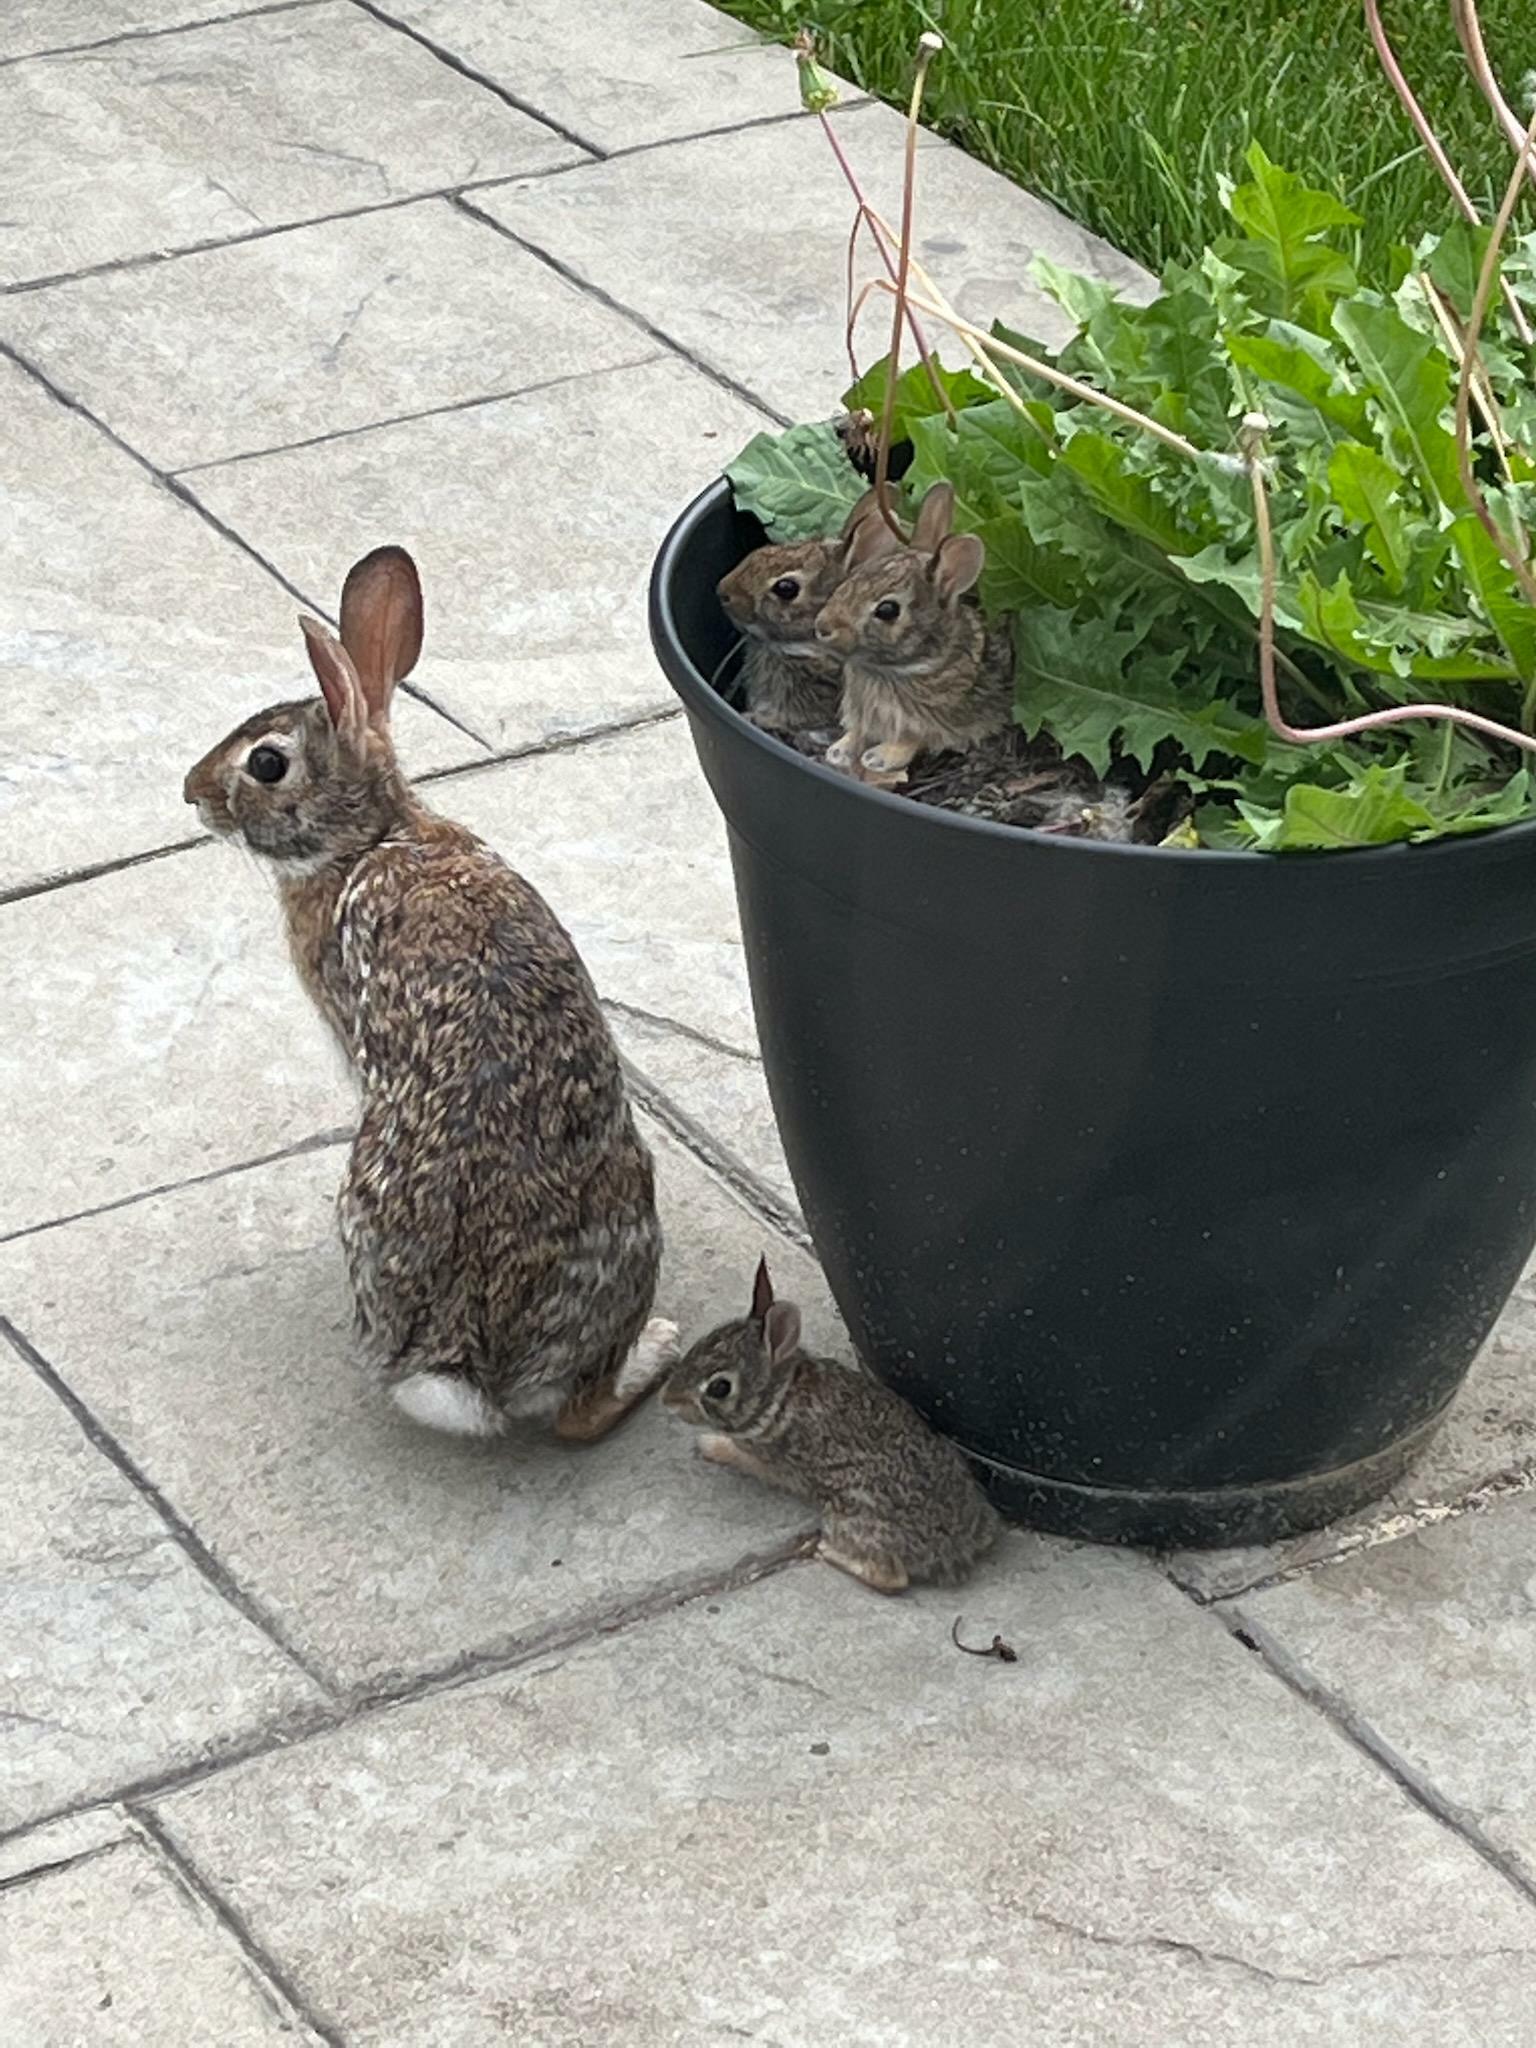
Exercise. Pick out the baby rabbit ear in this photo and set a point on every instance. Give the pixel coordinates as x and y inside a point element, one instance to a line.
<point>338,681</point>
<point>381,618</point>
<point>762,1292</point>
<point>869,539</point>
<point>960,560</point>
<point>781,1332</point>
<point>859,513</point>
<point>935,516</point>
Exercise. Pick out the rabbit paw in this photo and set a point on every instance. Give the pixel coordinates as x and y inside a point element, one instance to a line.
<point>886,765</point>
<point>885,1574</point>
<point>840,753</point>
<point>654,1350</point>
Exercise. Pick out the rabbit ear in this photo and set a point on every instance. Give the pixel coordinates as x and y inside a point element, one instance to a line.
<point>870,539</point>
<point>960,560</point>
<point>781,1332</point>
<point>934,518</point>
<point>339,684</point>
<point>857,515</point>
<point>762,1292</point>
<point>381,624</point>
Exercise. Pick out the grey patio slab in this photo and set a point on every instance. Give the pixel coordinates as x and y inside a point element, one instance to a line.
<point>114,1954</point>
<point>623,838</point>
<point>69,1839</point>
<point>134,638</point>
<point>179,1041</point>
<point>167,141</point>
<point>1432,1642</point>
<point>796,1815</point>
<point>535,521</point>
<point>719,1089</point>
<point>217,1346</point>
<point>675,69</point>
<point>121,1660</point>
<point>753,278</point>
<point>339,325</point>
<point>1486,1443</point>
<point>30,26</point>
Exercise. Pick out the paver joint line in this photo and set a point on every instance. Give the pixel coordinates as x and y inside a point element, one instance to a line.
<point>739,1178</point>
<point>1362,1736</point>
<point>480,78</point>
<point>603,298</point>
<point>308,1724</point>
<point>218,1575</point>
<point>147,35</point>
<point>60,1863</point>
<point>274,1982</point>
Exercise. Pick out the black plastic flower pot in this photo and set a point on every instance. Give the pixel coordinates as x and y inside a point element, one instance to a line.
<point>1179,1188</point>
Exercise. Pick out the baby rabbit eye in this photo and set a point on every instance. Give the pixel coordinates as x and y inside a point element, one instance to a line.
<point>266,764</point>
<point>786,588</point>
<point>887,609</point>
<point>719,1388</point>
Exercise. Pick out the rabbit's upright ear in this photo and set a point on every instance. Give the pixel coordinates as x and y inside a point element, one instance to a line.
<point>959,562</point>
<point>857,515</point>
<point>339,684</point>
<point>762,1292</point>
<point>868,538</point>
<point>381,624</point>
<point>781,1332</point>
<point>935,516</point>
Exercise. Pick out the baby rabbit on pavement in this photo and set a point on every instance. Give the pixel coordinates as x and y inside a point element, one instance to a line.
<point>897,1502</point>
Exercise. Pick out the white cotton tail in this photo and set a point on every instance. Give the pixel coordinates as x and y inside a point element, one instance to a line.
<point>655,1349</point>
<point>441,1400</point>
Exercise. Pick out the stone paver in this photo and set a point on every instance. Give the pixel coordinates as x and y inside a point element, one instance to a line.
<point>162,977</point>
<point>345,323</point>
<point>166,141</point>
<point>535,522</point>
<point>221,1357</point>
<point>784,1816</point>
<point>120,1659</point>
<point>678,68</point>
<point>133,637</point>
<point>1432,1641</point>
<point>113,1953</point>
<point>563,1747</point>
<point>755,285</point>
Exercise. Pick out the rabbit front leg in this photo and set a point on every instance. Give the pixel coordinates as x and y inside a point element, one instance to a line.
<point>725,1450</point>
<point>845,751</point>
<point>888,762</point>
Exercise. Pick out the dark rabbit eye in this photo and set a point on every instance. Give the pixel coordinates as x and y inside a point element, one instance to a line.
<point>786,588</point>
<point>887,609</point>
<point>267,764</point>
<point>719,1388</point>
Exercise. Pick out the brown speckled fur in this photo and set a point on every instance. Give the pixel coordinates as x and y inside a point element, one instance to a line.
<point>934,678</point>
<point>898,1503</point>
<point>498,1211</point>
<point>790,684</point>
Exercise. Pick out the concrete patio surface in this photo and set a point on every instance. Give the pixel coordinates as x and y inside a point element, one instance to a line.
<point>314,1727</point>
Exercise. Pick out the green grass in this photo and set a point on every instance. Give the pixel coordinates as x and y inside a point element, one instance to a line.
<point>1125,115</point>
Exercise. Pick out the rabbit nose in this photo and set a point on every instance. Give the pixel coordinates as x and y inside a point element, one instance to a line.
<point>824,631</point>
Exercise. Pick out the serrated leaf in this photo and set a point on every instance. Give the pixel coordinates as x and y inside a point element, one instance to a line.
<point>1297,365</point>
<point>1490,576</point>
<point>1080,297</point>
<point>916,398</point>
<point>1284,220</point>
<point>1127,498</point>
<point>1482,810</point>
<point>1373,810</point>
<point>1390,640</point>
<point>1088,684</point>
<point>1410,379</point>
<point>1455,262</point>
<point>799,483</point>
<point>1366,488</point>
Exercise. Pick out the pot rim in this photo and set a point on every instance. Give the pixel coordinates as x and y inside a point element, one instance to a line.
<point>699,695</point>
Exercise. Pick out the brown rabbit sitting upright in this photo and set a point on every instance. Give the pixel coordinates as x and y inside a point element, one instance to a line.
<point>897,1502</point>
<point>498,1212</point>
<point>773,596</point>
<point>921,670</point>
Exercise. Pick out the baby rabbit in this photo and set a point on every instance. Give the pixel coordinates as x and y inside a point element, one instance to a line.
<point>773,597</point>
<point>897,1502</point>
<point>920,668</point>
<point>497,1212</point>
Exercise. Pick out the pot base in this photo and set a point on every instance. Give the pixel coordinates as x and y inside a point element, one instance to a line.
<point>1220,1517</point>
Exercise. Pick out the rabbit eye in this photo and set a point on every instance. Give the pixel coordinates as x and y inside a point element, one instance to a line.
<point>887,609</point>
<point>266,764</point>
<point>719,1388</point>
<point>786,588</point>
